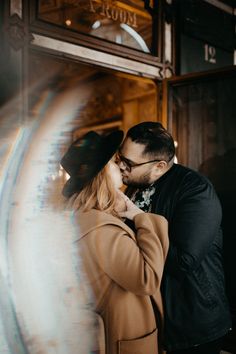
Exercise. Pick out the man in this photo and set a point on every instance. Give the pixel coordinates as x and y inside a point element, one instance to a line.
<point>196,308</point>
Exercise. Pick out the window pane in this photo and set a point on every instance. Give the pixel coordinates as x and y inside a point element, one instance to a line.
<point>125,23</point>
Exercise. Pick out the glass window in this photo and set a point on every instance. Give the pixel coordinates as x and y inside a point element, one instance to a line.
<point>128,23</point>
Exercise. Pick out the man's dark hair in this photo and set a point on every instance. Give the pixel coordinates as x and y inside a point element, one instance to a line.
<point>158,142</point>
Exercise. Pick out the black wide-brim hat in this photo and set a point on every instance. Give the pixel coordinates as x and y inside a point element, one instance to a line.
<point>86,157</point>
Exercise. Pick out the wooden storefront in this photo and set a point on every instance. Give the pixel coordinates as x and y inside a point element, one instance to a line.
<point>68,66</point>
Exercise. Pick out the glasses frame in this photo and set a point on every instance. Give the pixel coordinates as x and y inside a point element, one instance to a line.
<point>129,165</point>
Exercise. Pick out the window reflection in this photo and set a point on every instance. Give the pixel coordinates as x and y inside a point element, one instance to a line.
<point>44,302</point>
<point>126,23</point>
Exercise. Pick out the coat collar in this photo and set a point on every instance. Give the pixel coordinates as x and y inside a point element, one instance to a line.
<point>93,219</point>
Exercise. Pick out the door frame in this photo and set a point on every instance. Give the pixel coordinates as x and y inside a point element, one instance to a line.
<point>181,80</point>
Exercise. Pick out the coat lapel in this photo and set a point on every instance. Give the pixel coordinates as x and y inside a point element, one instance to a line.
<point>90,220</point>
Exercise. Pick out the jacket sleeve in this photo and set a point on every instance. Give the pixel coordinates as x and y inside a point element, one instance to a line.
<point>195,227</point>
<point>135,266</point>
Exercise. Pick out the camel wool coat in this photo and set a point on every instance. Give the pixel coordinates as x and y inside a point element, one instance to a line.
<point>124,270</point>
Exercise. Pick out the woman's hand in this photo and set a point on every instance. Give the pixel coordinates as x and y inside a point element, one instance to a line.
<point>130,210</point>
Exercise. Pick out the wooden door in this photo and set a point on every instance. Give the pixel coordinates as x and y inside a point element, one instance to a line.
<point>200,111</point>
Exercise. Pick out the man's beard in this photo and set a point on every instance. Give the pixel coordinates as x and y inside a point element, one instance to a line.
<point>142,182</point>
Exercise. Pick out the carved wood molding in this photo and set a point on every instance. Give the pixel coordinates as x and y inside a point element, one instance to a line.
<point>17,33</point>
<point>166,72</point>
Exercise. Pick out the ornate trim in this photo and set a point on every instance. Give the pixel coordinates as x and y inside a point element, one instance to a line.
<point>96,57</point>
<point>16,32</point>
<point>166,72</point>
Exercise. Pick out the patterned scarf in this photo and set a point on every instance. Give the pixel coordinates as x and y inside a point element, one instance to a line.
<point>143,198</point>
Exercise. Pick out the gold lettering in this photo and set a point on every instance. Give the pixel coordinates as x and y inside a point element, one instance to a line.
<point>91,6</point>
<point>105,10</point>
<point>114,13</point>
<point>123,16</point>
<point>102,12</point>
<point>130,19</point>
<point>135,21</point>
<point>108,15</point>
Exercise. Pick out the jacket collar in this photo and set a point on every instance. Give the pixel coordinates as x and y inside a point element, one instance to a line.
<point>166,175</point>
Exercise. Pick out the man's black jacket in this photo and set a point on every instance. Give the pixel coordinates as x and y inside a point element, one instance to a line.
<point>193,289</point>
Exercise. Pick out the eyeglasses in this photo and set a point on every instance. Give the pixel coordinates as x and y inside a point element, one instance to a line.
<point>129,165</point>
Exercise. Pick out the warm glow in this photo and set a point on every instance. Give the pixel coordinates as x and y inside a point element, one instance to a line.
<point>68,22</point>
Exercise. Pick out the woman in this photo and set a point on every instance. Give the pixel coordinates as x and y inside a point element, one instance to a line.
<point>124,269</point>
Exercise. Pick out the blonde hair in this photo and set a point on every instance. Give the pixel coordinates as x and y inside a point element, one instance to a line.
<point>98,194</point>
